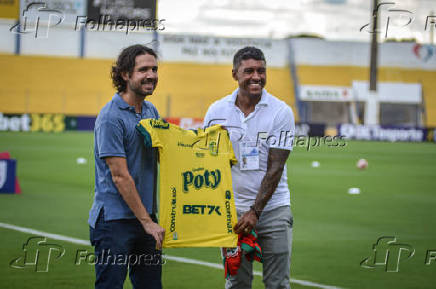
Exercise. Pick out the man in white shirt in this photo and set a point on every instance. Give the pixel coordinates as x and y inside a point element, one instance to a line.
<point>261,129</point>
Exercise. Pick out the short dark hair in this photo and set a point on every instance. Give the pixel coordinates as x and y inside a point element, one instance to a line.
<point>126,63</point>
<point>245,53</point>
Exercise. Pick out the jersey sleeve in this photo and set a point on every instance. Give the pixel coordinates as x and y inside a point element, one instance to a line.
<point>283,129</point>
<point>232,157</point>
<point>229,145</point>
<point>148,129</point>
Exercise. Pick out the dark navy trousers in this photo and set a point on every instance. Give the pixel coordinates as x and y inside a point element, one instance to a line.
<point>121,246</point>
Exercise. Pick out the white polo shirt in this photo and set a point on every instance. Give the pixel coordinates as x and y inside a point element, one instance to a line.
<point>270,125</point>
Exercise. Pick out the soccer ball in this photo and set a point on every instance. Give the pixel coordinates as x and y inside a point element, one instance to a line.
<point>362,164</point>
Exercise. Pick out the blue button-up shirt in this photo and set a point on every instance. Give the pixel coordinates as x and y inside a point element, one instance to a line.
<point>115,135</point>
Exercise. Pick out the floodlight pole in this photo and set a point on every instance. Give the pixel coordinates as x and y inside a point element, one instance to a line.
<point>431,29</point>
<point>374,48</point>
<point>372,105</point>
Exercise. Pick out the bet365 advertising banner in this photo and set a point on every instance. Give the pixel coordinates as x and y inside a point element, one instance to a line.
<point>57,122</point>
<point>45,122</point>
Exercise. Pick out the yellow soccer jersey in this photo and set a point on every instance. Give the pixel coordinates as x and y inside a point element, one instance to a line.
<point>196,202</point>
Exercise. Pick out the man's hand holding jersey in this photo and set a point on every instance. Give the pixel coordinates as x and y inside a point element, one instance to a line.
<point>126,186</point>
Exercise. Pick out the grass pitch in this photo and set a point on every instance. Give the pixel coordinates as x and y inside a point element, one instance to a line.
<point>333,231</point>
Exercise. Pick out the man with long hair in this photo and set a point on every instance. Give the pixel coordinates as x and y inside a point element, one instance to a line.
<point>123,227</point>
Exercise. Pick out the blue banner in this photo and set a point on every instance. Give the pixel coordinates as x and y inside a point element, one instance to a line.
<point>383,133</point>
<point>7,175</point>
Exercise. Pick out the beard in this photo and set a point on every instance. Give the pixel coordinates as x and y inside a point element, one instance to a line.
<point>139,91</point>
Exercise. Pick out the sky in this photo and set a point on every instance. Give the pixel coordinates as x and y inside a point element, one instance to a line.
<point>330,19</point>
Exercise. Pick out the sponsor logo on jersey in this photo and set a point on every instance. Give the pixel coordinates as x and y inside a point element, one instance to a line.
<point>185,145</point>
<point>208,179</point>
<point>173,211</point>
<point>159,123</point>
<point>228,212</point>
<point>201,209</point>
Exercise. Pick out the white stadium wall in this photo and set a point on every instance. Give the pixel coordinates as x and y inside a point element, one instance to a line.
<point>332,68</point>
<point>192,64</point>
<point>318,52</point>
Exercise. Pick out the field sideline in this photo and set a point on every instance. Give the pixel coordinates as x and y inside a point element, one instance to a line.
<point>333,231</point>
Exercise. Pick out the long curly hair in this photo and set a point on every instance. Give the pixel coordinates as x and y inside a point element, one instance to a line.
<point>126,63</point>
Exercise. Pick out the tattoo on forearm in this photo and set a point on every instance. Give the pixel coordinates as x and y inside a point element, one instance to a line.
<point>275,166</point>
